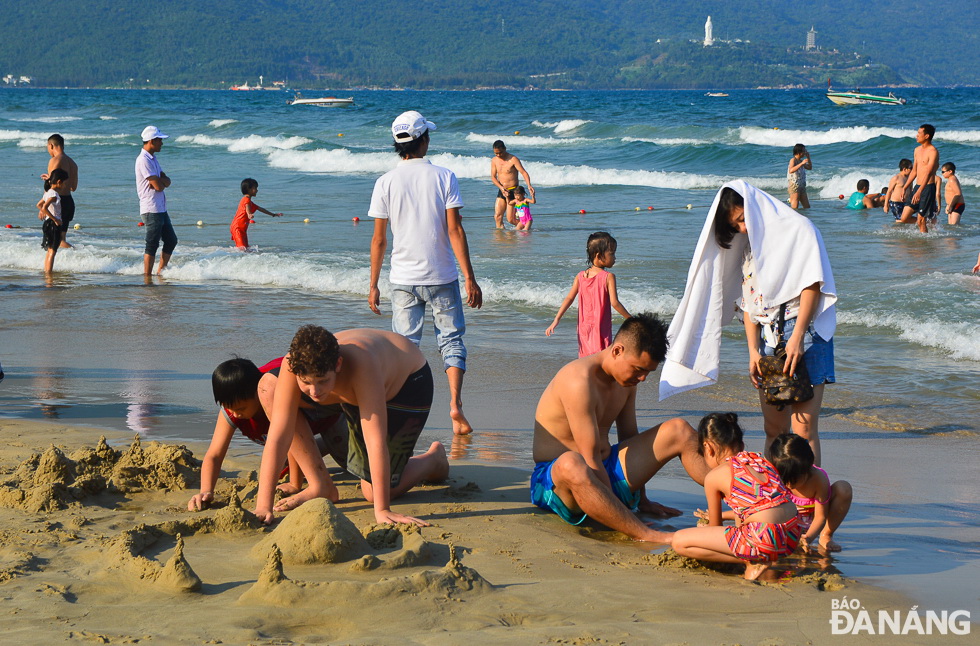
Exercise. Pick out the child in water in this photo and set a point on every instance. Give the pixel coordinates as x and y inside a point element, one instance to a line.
<point>821,506</point>
<point>596,290</point>
<point>49,211</point>
<point>521,208</point>
<point>246,209</point>
<point>767,526</point>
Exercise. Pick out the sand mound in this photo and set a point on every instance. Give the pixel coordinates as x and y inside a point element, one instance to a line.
<point>314,532</point>
<point>125,553</point>
<point>51,480</point>
<point>273,587</point>
<point>412,549</point>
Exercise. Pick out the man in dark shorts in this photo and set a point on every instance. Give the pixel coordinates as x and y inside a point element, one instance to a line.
<point>922,180</point>
<point>56,148</point>
<point>504,168</point>
<point>384,385</point>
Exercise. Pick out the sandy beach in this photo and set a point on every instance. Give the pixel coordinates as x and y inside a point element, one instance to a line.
<point>99,548</point>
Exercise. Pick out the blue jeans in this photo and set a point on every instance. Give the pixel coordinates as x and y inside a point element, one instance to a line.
<point>158,226</point>
<point>408,316</point>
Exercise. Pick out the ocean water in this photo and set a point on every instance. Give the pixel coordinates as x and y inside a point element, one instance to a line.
<point>97,344</point>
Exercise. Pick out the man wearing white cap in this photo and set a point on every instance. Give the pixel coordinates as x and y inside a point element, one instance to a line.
<point>150,184</point>
<point>421,202</point>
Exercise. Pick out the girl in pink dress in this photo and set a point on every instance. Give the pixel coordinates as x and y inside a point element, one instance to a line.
<point>596,290</point>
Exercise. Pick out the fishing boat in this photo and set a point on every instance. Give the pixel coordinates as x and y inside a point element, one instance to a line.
<point>862,98</point>
<point>326,101</point>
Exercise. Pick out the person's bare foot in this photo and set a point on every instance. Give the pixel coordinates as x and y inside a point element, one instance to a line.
<point>754,570</point>
<point>653,536</point>
<point>440,467</point>
<point>460,425</point>
<point>829,544</point>
<point>659,511</point>
<point>288,489</point>
<point>292,502</point>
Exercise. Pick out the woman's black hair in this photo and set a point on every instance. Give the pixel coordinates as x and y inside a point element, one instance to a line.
<point>234,381</point>
<point>724,229</point>
<point>721,429</point>
<point>792,456</point>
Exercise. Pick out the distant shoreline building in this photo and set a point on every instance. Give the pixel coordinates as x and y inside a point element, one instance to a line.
<point>811,39</point>
<point>709,39</point>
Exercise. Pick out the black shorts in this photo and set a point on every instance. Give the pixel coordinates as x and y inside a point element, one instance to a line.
<point>509,196</point>
<point>67,211</point>
<point>408,411</point>
<point>50,234</point>
<point>927,201</point>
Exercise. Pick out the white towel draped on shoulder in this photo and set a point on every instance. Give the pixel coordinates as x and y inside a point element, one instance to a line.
<point>789,256</point>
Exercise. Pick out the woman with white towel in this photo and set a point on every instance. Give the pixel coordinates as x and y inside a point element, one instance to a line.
<point>758,255</point>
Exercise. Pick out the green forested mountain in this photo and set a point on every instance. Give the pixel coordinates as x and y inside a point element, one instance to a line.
<point>462,43</point>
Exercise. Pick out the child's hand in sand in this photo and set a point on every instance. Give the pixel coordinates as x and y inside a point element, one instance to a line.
<point>201,501</point>
<point>388,516</point>
<point>264,515</point>
<point>805,545</point>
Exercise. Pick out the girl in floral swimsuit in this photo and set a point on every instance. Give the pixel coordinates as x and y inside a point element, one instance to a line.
<point>767,526</point>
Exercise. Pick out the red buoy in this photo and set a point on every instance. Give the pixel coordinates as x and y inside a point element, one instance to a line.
<point>840,197</point>
<point>355,219</point>
<point>649,208</point>
<point>582,211</point>
<point>141,224</point>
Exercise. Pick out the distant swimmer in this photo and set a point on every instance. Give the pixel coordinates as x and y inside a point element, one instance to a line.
<point>56,148</point>
<point>504,168</point>
<point>954,194</point>
<point>922,180</point>
<point>799,164</point>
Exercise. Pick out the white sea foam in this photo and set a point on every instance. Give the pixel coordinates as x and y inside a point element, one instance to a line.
<point>959,339</point>
<point>251,143</point>
<point>565,125</point>
<point>526,141</point>
<point>846,184</point>
<point>217,123</point>
<point>59,119</point>
<point>107,118</point>
<point>469,167</point>
<point>27,139</point>
<point>789,138</point>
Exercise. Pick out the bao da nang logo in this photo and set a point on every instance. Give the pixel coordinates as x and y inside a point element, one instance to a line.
<point>849,617</point>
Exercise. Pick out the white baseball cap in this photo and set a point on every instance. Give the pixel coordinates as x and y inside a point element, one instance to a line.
<point>409,126</point>
<point>152,132</point>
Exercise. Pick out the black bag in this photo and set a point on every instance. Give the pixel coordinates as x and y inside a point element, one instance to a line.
<point>780,389</point>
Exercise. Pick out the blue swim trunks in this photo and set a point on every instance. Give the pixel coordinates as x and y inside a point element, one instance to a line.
<point>543,488</point>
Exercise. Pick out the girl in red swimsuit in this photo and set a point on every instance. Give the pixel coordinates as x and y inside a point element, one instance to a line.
<point>767,526</point>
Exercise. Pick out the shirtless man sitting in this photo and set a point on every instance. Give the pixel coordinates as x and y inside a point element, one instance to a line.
<point>577,473</point>
<point>384,386</point>
<point>504,168</point>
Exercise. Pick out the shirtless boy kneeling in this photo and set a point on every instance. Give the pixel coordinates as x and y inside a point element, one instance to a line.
<point>384,386</point>
<point>577,473</point>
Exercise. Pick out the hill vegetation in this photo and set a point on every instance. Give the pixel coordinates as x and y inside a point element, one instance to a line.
<point>462,43</point>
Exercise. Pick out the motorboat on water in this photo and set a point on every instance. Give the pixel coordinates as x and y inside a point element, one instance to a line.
<point>326,101</point>
<point>862,98</point>
<point>715,94</point>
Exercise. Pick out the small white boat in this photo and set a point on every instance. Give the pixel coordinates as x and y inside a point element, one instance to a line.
<point>326,101</point>
<point>715,94</point>
<point>862,98</point>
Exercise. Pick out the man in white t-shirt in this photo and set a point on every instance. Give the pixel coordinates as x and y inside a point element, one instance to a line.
<point>150,184</point>
<point>421,202</point>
